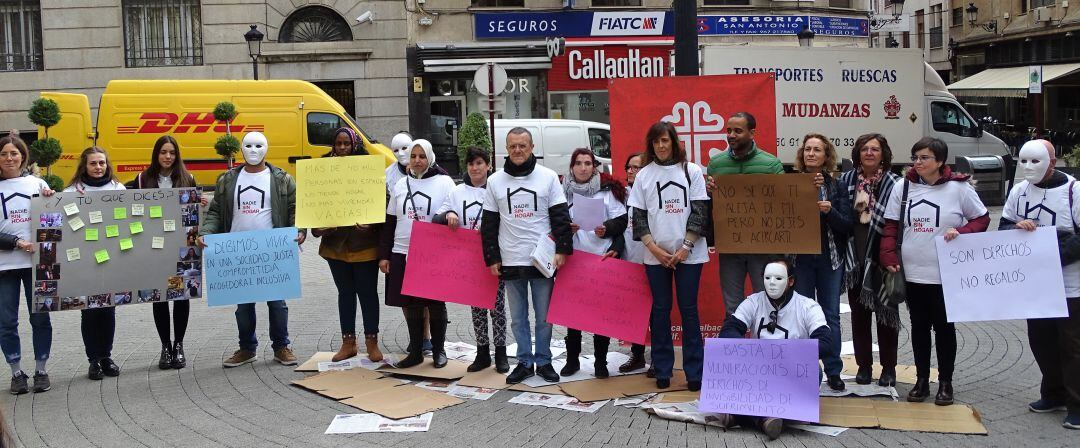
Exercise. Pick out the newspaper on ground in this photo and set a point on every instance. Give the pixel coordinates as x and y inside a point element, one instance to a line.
<point>473,393</point>
<point>684,412</point>
<point>437,385</point>
<point>460,350</point>
<point>861,390</point>
<point>831,431</point>
<point>557,401</point>
<point>633,401</point>
<point>362,423</point>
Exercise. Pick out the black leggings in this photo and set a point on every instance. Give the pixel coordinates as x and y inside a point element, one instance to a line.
<point>98,328</point>
<point>926,304</point>
<point>181,309</point>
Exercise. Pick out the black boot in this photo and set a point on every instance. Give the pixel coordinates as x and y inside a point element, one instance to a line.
<point>502,365</point>
<point>437,318</point>
<point>573,352</point>
<point>179,360</point>
<point>482,360</point>
<point>416,335</point>
<point>600,349</point>
<point>166,359</point>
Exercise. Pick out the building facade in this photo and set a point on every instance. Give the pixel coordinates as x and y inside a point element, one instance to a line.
<point>77,46</point>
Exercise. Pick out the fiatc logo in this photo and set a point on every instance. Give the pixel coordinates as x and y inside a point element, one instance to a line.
<point>628,23</point>
<point>188,122</point>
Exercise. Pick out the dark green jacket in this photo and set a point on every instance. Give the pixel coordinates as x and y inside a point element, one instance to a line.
<point>282,201</point>
<point>756,162</point>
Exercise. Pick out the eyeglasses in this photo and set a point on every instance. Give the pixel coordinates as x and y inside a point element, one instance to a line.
<point>923,158</point>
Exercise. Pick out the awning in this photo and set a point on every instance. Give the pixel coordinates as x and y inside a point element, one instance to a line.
<point>471,64</point>
<point>1009,82</point>
<point>435,57</point>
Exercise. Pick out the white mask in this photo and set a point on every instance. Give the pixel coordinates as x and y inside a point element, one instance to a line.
<point>254,148</point>
<point>401,145</point>
<point>776,280</point>
<point>1035,161</point>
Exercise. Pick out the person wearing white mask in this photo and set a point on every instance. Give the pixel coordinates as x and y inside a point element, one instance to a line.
<point>1045,198</point>
<point>255,196</point>
<point>778,312</point>
<point>414,198</point>
<point>400,145</point>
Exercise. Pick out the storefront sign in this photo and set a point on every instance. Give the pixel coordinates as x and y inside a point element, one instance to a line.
<point>589,68</point>
<point>572,24</point>
<point>727,25</point>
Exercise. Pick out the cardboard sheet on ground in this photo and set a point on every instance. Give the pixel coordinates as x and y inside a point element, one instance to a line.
<point>982,275</point>
<point>553,389</point>
<point>904,373</point>
<point>609,297</point>
<point>339,385</point>
<point>621,386</point>
<point>903,416</point>
<point>400,400</point>
<point>587,371</point>
<point>766,214</point>
<point>253,266</point>
<point>486,379</point>
<point>76,267</point>
<point>766,378</point>
<point>340,191</point>
<point>448,266</point>
<point>312,364</point>
<point>454,369</point>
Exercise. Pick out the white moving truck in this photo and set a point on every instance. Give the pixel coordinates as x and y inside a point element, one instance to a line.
<point>846,92</point>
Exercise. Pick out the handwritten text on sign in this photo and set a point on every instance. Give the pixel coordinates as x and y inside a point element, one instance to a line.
<point>766,378</point>
<point>448,266</point>
<point>608,297</point>
<point>340,191</point>
<point>766,214</point>
<point>255,266</point>
<point>984,274</point>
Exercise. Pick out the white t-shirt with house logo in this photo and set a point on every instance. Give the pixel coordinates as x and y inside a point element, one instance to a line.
<point>251,200</point>
<point>665,192</point>
<point>415,200</point>
<point>15,194</point>
<point>796,320</point>
<point>522,204</point>
<point>1048,208</point>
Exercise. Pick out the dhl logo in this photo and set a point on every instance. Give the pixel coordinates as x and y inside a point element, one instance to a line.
<point>188,122</point>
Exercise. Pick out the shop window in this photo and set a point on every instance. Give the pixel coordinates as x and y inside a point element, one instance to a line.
<point>315,24</point>
<point>498,3</point>
<point>159,33</point>
<point>20,36</point>
<point>321,127</point>
<point>948,117</point>
<point>600,142</point>
<point>616,2</point>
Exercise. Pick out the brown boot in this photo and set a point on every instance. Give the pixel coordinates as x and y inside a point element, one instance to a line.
<point>372,342</point>
<point>347,349</point>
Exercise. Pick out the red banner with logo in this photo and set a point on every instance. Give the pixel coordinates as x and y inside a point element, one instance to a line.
<point>698,106</point>
<point>590,68</point>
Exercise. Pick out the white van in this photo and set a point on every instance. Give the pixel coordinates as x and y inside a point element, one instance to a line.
<point>555,140</point>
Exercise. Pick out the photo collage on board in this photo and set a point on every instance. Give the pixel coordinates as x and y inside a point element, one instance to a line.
<point>185,284</point>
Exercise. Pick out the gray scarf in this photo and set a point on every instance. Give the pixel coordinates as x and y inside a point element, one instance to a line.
<point>588,189</point>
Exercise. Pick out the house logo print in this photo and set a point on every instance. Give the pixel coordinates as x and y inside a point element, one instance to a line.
<point>924,202</point>
<point>4,199</point>
<point>1039,209</point>
<point>411,199</point>
<point>510,199</point>
<point>262,196</point>
<point>671,184</point>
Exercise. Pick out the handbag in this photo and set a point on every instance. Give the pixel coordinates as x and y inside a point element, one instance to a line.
<point>893,289</point>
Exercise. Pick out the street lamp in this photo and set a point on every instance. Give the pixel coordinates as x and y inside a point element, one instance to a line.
<point>973,19</point>
<point>254,40</point>
<point>806,37</point>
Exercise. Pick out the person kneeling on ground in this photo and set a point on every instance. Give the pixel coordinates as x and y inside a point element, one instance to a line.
<point>776,313</point>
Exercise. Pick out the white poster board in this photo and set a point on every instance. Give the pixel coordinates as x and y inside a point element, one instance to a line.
<point>1009,274</point>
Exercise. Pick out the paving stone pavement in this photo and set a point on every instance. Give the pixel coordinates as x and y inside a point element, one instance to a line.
<point>254,405</point>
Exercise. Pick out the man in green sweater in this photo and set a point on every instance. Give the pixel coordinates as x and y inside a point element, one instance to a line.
<point>742,157</point>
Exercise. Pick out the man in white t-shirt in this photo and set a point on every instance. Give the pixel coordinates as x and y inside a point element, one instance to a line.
<point>524,203</point>
<point>778,312</point>
<point>255,196</point>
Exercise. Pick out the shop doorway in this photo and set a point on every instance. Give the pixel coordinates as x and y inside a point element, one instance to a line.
<point>447,115</point>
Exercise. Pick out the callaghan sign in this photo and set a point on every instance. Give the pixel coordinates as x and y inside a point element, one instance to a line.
<point>590,68</point>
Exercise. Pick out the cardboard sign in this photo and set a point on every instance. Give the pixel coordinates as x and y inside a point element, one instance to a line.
<point>766,214</point>
<point>609,297</point>
<point>766,378</point>
<point>340,191</point>
<point>982,274</point>
<point>698,106</point>
<point>448,266</point>
<point>254,266</point>
<point>91,253</point>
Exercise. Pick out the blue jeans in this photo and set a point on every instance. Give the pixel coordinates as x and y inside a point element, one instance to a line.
<point>687,277</point>
<point>517,297</point>
<point>10,281</point>
<point>279,325</point>
<point>815,278</point>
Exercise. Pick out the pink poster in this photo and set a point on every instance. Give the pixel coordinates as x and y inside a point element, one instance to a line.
<point>608,297</point>
<point>448,266</point>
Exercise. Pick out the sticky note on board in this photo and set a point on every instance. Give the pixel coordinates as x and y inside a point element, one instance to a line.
<point>75,223</point>
<point>91,234</point>
<point>73,254</point>
<point>71,209</point>
<point>158,242</point>
<point>126,243</point>
<point>137,209</point>
<point>155,211</point>
<point>135,227</point>
<point>119,213</point>
<point>112,231</point>
<point>95,217</point>
<point>170,225</point>
<point>101,256</point>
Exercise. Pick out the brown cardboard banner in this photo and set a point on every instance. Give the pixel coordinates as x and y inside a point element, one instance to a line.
<point>902,416</point>
<point>339,384</point>
<point>392,399</point>
<point>487,379</point>
<point>553,389</point>
<point>620,386</point>
<point>454,369</point>
<point>766,214</point>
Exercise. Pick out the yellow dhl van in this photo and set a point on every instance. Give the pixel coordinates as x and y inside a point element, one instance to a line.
<point>298,118</point>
